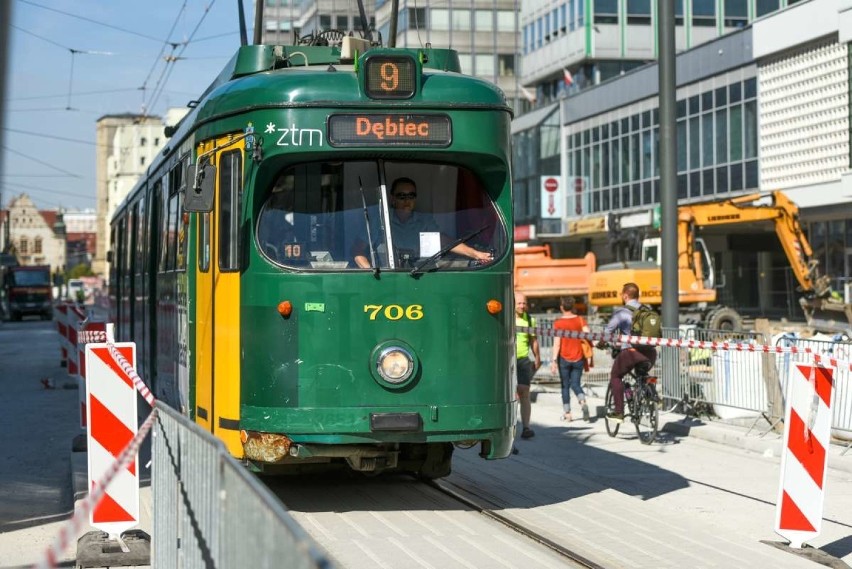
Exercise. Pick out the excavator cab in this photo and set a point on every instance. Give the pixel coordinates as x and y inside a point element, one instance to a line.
<point>652,252</point>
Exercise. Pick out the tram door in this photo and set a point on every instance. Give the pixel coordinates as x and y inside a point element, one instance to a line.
<point>217,336</point>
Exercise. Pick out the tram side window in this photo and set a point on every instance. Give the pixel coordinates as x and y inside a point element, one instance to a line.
<point>163,215</point>
<point>139,249</point>
<point>204,242</point>
<point>336,215</point>
<point>180,184</point>
<point>230,186</point>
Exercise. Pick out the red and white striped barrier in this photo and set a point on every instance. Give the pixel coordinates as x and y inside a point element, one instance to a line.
<point>60,314</point>
<point>69,318</point>
<point>818,358</point>
<point>90,332</point>
<point>111,403</point>
<point>68,532</point>
<point>108,359</point>
<point>798,513</point>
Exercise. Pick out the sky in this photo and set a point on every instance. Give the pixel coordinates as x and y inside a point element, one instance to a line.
<point>74,61</point>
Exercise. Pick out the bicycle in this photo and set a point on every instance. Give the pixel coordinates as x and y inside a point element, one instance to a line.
<point>641,404</point>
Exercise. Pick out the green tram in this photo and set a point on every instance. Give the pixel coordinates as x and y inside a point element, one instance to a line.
<point>317,269</point>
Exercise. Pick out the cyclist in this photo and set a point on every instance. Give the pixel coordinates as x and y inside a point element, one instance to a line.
<point>621,322</point>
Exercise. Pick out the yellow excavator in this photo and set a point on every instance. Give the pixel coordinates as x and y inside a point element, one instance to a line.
<point>697,286</point>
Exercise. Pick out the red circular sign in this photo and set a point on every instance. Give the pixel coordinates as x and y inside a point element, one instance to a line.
<point>551,184</point>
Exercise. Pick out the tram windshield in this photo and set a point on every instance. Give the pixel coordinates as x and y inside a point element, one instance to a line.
<point>364,215</point>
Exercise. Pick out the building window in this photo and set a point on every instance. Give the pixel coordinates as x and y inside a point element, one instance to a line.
<point>143,141</point>
<point>484,20</point>
<point>606,11</point>
<point>441,19</point>
<point>704,13</point>
<point>461,20</point>
<point>25,246</point>
<point>142,161</point>
<point>325,21</point>
<point>342,22</point>
<point>764,7</point>
<point>506,21</point>
<point>639,12</point>
<point>37,246</point>
<point>484,65</point>
<point>506,64</point>
<point>736,14</point>
<point>465,63</point>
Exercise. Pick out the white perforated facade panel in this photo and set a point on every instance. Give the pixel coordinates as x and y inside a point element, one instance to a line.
<point>804,117</point>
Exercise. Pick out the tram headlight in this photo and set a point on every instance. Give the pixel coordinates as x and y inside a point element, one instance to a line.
<point>395,364</point>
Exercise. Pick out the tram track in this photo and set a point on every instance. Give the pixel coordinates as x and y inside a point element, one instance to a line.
<point>444,488</point>
<point>396,520</point>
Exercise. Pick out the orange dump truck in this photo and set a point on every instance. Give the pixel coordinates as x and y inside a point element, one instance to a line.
<point>544,279</point>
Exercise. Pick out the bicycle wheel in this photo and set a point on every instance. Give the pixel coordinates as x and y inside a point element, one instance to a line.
<point>647,416</point>
<point>611,426</point>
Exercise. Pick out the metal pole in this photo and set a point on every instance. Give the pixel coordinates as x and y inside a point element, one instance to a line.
<point>393,18</point>
<point>5,26</point>
<point>258,22</point>
<point>668,162</point>
<point>242,15</point>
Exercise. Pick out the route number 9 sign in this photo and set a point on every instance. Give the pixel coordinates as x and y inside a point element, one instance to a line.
<point>390,77</point>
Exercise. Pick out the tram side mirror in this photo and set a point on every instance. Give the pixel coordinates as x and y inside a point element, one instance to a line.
<point>199,189</point>
<point>109,256</point>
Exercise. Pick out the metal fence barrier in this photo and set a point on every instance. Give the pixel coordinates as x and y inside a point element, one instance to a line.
<point>732,385</point>
<point>841,405</point>
<point>210,512</point>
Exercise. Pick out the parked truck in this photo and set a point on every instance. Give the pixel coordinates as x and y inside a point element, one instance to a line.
<point>697,284</point>
<point>26,291</point>
<point>544,279</point>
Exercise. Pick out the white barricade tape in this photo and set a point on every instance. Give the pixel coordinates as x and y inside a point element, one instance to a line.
<point>91,336</point>
<point>679,343</point>
<point>69,530</point>
<point>131,373</point>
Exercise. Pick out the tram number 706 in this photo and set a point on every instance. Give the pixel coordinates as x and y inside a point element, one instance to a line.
<point>395,311</point>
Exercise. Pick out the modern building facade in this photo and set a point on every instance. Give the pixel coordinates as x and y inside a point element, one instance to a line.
<point>484,32</point>
<point>760,109</point>
<point>284,20</point>
<point>596,40</point>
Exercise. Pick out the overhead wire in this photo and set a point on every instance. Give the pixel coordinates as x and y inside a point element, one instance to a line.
<point>163,49</point>
<point>69,14</point>
<point>171,64</point>
<point>38,161</point>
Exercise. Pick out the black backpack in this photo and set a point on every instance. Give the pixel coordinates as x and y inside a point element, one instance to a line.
<point>646,322</point>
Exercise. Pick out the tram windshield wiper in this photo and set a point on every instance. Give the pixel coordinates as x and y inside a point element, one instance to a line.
<point>369,235</point>
<point>418,268</point>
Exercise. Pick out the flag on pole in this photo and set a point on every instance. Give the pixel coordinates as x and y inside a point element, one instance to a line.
<point>568,78</point>
<point>530,95</point>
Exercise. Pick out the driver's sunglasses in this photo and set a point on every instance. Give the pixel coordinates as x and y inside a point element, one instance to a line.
<point>407,196</point>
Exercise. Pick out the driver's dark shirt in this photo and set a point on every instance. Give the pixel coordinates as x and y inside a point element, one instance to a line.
<point>406,235</point>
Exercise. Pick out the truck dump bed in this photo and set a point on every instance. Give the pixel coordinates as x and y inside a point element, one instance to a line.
<point>538,274</point>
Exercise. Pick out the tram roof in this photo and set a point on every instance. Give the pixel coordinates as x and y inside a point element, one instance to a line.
<point>268,76</point>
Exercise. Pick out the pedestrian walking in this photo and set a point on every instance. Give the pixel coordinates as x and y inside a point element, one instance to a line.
<point>526,345</point>
<point>569,357</point>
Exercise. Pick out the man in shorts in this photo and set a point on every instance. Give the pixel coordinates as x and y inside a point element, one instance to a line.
<point>525,344</point>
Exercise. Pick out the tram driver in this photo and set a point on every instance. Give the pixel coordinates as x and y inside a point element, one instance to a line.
<point>408,224</point>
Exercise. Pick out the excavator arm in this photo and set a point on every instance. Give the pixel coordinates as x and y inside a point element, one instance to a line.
<point>775,207</point>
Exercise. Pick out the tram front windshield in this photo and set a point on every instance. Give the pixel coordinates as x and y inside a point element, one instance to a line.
<point>363,215</point>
